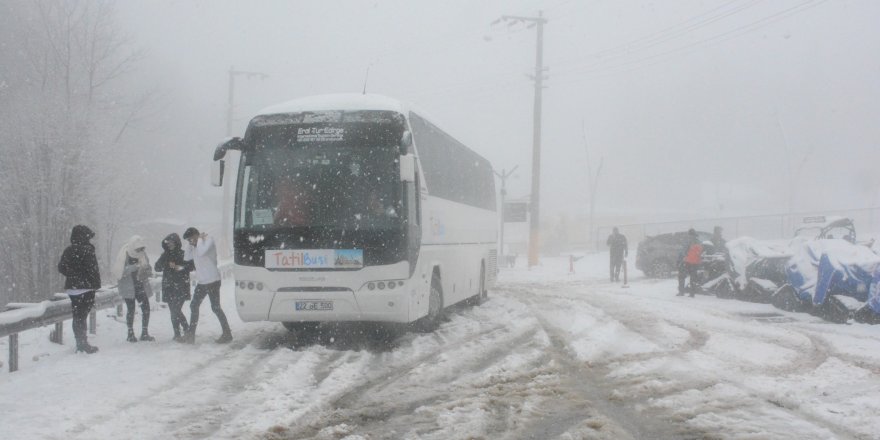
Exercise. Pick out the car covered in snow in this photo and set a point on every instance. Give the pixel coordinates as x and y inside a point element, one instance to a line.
<point>822,271</point>
<point>659,255</point>
<point>832,278</point>
<point>822,227</point>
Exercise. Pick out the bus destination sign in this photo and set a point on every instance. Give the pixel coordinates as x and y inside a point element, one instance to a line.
<point>320,134</point>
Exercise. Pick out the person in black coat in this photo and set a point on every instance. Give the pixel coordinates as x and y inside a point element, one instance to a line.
<point>80,265</point>
<point>618,251</point>
<point>175,282</point>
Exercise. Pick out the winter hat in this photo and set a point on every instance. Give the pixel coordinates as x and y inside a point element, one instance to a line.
<point>691,231</point>
<point>134,248</point>
<point>81,234</point>
<point>190,232</point>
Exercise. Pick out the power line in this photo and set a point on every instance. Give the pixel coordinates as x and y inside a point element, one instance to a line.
<point>674,30</point>
<point>598,69</point>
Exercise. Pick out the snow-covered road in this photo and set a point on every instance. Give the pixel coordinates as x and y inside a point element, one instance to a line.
<point>550,355</point>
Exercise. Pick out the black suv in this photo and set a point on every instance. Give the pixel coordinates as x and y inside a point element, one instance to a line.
<point>658,256</point>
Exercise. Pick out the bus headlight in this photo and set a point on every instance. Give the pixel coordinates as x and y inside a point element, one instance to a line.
<point>249,285</point>
<point>381,285</point>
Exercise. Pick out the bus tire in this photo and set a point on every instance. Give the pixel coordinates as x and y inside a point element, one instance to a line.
<point>430,322</point>
<point>483,294</point>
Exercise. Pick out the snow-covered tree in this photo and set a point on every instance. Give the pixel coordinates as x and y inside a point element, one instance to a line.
<point>61,121</point>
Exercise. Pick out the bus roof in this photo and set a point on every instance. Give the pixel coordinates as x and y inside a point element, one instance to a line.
<point>341,101</point>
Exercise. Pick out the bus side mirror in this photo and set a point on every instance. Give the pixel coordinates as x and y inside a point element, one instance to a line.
<point>229,144</point>
<point>218,166</point>
<point>217,172</point>
<point>407,168</point>
<point>405,142</point>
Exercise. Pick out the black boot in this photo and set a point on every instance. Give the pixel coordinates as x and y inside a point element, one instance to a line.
<point>85,348</point>
<point>145,336</point>
<point>131,337</point>
<point>190,336</point>
<point>225,338</point>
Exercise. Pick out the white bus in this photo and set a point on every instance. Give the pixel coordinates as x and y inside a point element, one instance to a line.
<point>355,208</point>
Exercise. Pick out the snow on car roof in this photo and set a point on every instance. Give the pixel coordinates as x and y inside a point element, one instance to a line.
<point>823,222</point>
<point>339,101</point>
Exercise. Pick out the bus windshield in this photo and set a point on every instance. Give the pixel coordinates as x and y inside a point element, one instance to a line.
<point>319,176</point>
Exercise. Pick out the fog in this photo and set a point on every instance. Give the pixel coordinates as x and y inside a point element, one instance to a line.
<point>693,109</point>
<point>696,108</point>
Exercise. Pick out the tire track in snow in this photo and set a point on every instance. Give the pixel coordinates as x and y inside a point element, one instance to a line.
<point>589,382</point>
<point>808,358</point>
<point>234,368</point>
<point>805,362</point>
<point>358,407</point>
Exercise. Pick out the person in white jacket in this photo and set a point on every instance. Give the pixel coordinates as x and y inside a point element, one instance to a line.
<point>202,252</point>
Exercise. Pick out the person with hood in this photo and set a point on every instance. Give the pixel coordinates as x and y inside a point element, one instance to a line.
<point>203,253</point>
<point>80,267</point>
<point>132,269</point>
<point>618,250</point>
<point>175,282</point>
<point>691,260</point>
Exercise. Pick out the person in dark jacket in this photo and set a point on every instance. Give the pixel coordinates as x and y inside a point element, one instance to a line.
<point>175,282</point>
<point>718,242</point>
<point>80,266</point>
<point>691,260</point>
<point>619,250</point>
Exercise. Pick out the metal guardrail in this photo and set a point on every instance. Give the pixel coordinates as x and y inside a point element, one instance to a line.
<point>22,317</point>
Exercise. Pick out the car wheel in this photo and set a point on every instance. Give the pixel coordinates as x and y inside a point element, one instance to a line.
<point>834,310</point>
<point>786,299</point>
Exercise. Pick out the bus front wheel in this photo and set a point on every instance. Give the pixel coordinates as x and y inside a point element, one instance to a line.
<point>301,327</point>
<point>483,293</point>
<point>430,322</point>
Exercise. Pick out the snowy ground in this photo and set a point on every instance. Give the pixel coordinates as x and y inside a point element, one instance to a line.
<point>550,355</point>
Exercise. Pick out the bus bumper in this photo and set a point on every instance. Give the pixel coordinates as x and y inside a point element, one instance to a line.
<point>253,305</point>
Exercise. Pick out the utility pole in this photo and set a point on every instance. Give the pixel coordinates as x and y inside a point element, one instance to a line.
<point>535,197</point>
<point>230,109</point>
<point>503,176</point>
<point>226,232</point>
<point>593,184</point>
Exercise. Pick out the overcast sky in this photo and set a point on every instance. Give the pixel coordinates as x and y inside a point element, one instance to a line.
<point>697,107</point>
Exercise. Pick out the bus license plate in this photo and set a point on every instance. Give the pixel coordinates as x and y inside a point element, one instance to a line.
<point>314,305</point>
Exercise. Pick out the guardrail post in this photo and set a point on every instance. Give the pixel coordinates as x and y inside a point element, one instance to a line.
<point>57,335</point>
<point>13,352</point>
<point>93,321</point>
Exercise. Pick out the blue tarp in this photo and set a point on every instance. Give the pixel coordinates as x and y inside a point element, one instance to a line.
<point>821,268</point>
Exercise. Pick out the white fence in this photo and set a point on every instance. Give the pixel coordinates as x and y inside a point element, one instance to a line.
<point>779,226</point>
